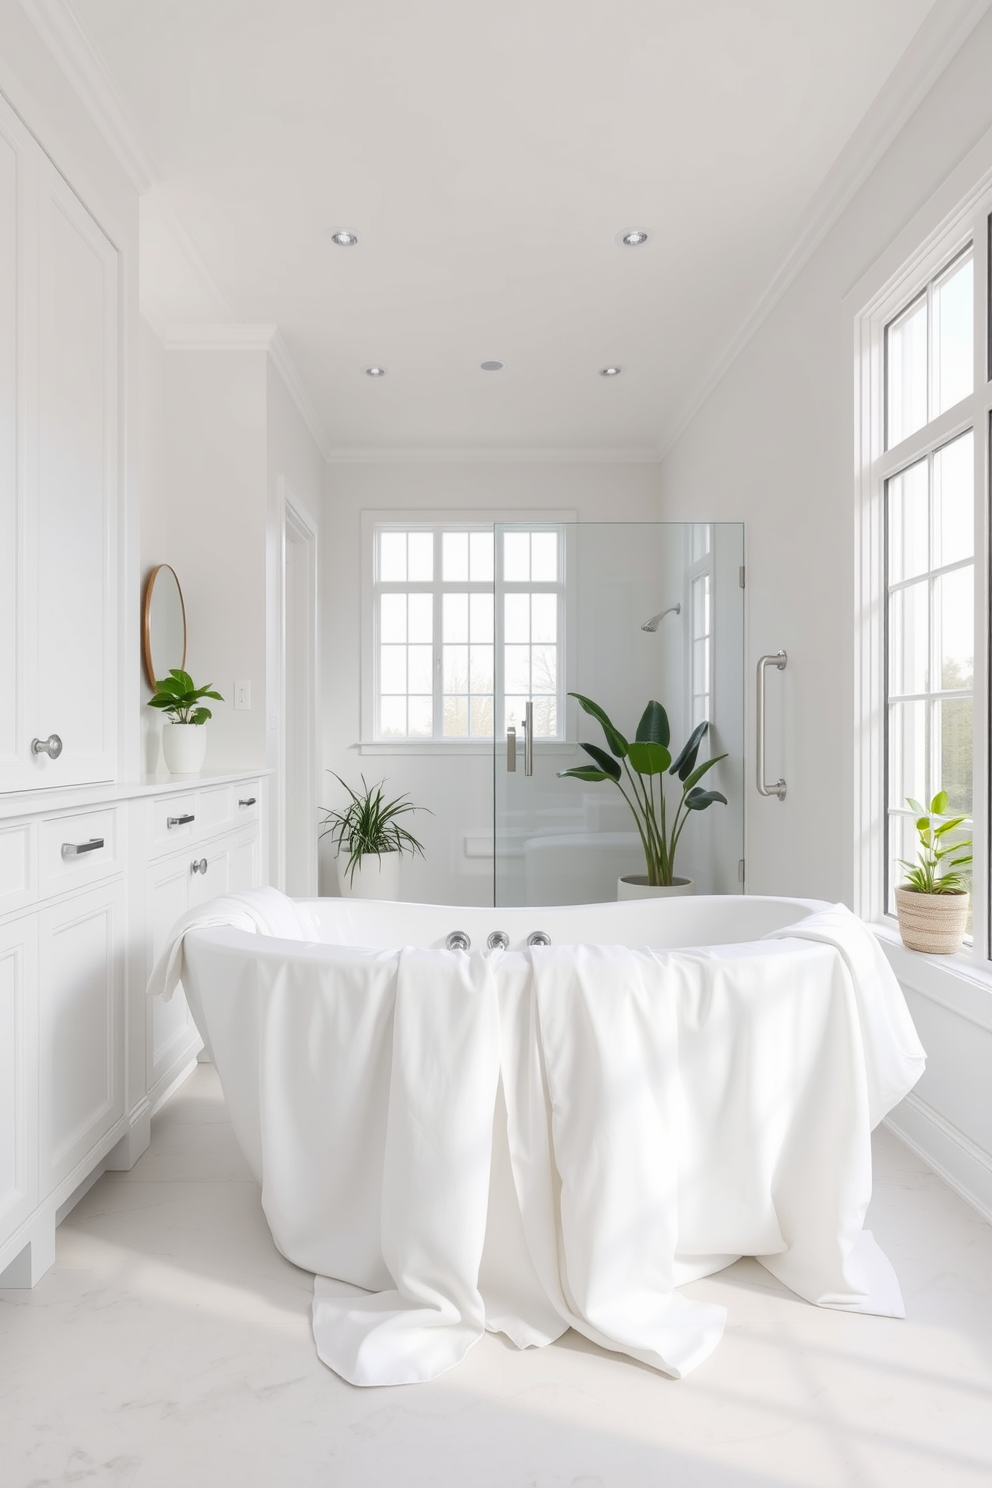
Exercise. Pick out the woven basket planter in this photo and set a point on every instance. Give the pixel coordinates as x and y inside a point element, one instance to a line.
<point>932,922</point>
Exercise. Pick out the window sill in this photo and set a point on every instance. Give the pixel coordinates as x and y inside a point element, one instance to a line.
<point>954,982</point>
<point>450,747</point>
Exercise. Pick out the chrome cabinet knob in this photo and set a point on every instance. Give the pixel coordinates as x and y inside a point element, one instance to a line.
<point>52,746</point>
<point>198,867</point>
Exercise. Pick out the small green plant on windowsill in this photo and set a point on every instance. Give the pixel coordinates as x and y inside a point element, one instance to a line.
<point>368,826</point>
<point>932,904</point>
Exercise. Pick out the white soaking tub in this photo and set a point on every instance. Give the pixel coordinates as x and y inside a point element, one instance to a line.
<point>537,1137</point>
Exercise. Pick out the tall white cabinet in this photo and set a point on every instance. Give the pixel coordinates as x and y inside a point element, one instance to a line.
<point>94,868</point>
<point>59,476</point>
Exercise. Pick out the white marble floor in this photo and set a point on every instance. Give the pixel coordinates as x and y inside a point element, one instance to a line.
<point>170,1345</point>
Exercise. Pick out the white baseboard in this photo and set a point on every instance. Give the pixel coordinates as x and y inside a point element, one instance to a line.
<point>964,1167</point>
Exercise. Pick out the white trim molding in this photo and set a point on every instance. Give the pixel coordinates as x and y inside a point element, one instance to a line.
<point>484,455</point>
<point>944,31</point>
<point>963,1166</point>
<point>239,337</point>
<point>65,37</point>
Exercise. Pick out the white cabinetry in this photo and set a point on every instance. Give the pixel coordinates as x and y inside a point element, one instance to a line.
<point>88,893</point>
<point>59,396</point>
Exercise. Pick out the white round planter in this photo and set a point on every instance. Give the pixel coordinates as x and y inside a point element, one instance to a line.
<point>636,886</point>
<point>374,878</point>
<point>184,746</point>
<point>934,923</point>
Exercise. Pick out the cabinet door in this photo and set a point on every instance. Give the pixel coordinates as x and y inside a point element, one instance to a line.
<point>206,883</point>
<point>246,870</point>
<point>80,1006</point>
<point>171,1032</point>
<point>18,1066</point>
<point>75,528</point>
<point>18,441</point>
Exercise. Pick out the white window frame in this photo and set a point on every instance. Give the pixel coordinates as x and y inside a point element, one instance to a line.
<point>874,465</point>
<point>703,567</point>
<point>462,520</point>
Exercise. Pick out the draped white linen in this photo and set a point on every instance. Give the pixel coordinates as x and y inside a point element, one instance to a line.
<point>657,1114</point>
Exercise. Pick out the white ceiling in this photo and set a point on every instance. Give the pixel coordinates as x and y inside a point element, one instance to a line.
<point>487,153</point>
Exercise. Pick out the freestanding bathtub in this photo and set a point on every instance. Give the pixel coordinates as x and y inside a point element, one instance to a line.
<point>534,1137</point>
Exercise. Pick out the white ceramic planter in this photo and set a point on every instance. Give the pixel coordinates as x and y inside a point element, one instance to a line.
<point>636,886</point>
<point>934,923</point>
<point>184,746</point>
<point>375,877</point>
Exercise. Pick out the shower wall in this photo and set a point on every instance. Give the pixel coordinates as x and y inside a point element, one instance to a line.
<point>457,787</point>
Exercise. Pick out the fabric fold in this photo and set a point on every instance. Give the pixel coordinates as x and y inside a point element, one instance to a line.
<point>435,1182</point>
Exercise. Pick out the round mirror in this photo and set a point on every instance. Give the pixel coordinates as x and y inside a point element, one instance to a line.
<point>164,624</point>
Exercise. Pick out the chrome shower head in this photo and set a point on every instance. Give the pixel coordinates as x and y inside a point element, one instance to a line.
<point>655,621</point>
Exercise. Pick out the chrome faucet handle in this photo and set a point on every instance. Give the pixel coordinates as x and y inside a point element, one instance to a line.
<point>498,941</point>
<point>458,941</point>
<point>538,938</point>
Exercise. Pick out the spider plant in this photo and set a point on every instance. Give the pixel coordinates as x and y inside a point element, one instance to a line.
<point>368,826</point>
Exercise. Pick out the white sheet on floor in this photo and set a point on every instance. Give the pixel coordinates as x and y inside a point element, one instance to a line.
<point>665,1112</point>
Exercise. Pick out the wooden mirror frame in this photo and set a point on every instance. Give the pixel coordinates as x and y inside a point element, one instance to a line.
<point>146,640</point>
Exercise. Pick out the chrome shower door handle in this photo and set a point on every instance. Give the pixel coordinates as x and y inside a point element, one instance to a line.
<point>779,660</point>
<point>511,750</point>
<point>529,739</point>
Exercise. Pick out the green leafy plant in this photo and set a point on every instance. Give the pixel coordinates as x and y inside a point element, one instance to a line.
<point>937,870</point>
<point>642,764</point>
<point>179,696</point>
<point>368,825</point>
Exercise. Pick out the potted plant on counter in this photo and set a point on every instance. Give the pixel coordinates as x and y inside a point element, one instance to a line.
<point>637,769</point>
<point>184,739</point>
<point>370,841</point>
<point>932,905</point>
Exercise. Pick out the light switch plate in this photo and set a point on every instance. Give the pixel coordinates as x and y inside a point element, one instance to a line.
<point>242,695</point>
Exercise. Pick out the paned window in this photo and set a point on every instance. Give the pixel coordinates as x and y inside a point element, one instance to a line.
<point>438,674</point>
<point>700,629</point>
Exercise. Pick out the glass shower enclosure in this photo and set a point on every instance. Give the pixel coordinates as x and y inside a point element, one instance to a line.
<point>622,613</point>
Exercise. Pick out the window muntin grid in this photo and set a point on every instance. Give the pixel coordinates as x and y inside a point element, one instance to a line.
<point>436,672</point>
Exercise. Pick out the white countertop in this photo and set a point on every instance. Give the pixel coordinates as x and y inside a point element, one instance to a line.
<point>66,798</point>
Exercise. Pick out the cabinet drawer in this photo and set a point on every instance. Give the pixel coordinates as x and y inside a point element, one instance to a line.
<point>173,820</point>
<point>215,809</point>
<point>68,855</point>
<point>17,866</point>
<point>247,799</point>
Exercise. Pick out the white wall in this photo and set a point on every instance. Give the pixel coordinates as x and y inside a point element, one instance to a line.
<point>458,789</point>
<point>773,446</point>
<point>215,494</point>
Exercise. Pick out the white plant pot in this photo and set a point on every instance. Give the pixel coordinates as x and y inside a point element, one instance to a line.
<point>932,923</point>
<point>184,746</point>
<point>374,878</point>
<point>636,886</point>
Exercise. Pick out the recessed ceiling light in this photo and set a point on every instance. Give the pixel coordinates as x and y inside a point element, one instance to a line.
<point>610,371</point>
<point>491,366</point>
<point>343,238</point>
<point>375,371</point>
<point>633,237</point>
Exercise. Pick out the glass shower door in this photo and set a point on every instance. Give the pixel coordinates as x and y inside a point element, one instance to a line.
<point>623,613</point>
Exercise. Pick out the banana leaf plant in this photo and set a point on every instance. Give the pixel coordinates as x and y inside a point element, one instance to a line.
<point>638,769</point>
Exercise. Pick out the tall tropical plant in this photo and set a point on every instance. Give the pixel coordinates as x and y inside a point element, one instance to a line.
<point>638,768</point>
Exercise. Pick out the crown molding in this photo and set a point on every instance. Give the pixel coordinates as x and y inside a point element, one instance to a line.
<point>63,35</point>
<point>296,387</point>
<point>943,32</point>
<point>267,338</point>
<point>467,455</point>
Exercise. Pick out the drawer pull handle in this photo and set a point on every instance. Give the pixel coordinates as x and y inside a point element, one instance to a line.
<point>198,867</point>
<point>250,801</point>
<point>179,821</point>
<point>74,849</point>
<point>52,746</point>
